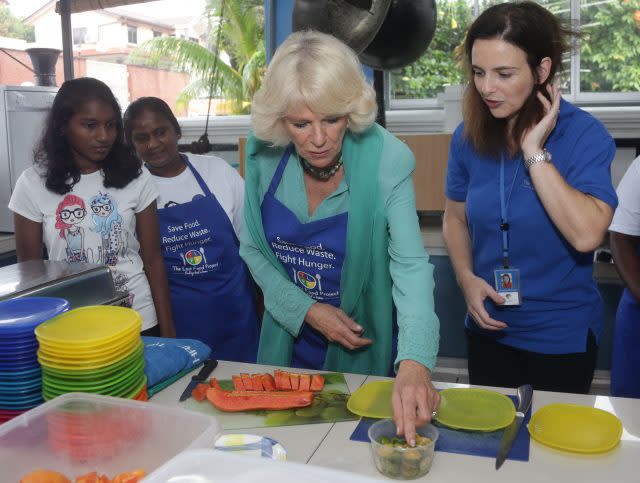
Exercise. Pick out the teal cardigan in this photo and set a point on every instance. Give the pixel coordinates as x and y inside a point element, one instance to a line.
<point>366,281</point>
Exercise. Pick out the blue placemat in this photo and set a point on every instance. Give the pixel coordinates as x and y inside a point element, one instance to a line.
<point>467,442</point>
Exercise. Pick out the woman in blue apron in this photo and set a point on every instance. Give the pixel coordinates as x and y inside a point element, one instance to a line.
<point>331,233</point>
<point>624,235</point>
<point>212,294</point>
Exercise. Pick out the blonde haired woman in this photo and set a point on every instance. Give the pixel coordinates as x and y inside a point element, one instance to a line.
<point>331,233</point>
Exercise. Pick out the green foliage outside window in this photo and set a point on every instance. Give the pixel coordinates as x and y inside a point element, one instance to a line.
<point>610,59</point>
<point>609,52</point>
<point>11,26</point>
<point>437,68</point>
<point>239,62</point>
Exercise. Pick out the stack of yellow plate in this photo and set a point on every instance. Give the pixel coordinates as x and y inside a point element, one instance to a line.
<point>95,349</point>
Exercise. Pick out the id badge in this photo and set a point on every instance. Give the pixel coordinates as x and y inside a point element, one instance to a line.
<point>507,283</point>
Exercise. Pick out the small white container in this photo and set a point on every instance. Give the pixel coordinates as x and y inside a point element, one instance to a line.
<point>398,462</point>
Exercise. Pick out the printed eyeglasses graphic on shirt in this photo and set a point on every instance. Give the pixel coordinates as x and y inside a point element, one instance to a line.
<point>99,209</point>
<point>78,213</point>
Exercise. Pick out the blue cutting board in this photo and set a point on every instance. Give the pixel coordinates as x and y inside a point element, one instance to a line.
<point>467,442</point>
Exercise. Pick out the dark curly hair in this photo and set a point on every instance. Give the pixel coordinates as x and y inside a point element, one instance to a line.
<point>153,104</point>
<point>53,153</point>
<point>539,34</point>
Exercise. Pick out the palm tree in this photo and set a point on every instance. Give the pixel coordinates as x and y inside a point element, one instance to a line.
<point>235,47</point>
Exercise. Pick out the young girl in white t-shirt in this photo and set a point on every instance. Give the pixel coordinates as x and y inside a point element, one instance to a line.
<point>89,200</point>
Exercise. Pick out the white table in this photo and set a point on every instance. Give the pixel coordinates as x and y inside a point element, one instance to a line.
<point>329,444</point>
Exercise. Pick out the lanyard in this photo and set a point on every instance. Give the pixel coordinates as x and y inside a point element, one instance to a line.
<point>504,222</point>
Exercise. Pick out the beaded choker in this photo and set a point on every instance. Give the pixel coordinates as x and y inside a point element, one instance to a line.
<point>321,173</point>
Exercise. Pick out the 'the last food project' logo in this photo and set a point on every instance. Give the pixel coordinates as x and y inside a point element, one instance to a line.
<point>307,280</point>
<point>194,257</point>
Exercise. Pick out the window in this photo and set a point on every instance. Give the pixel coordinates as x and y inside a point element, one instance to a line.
<point>79,35</point>
<point>132,34</point>
<point>157,34</point>
<point>603,69</point>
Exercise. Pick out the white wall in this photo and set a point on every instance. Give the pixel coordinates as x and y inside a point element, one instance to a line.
<point>104,32</point>
<point>114,75</point>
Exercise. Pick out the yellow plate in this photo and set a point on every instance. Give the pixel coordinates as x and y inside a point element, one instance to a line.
<point>89,362</point>
<point>475,409</point>
<point>372,400</point>
<point>89,326</point>
<point>55,352</point>
<point>579,429</point>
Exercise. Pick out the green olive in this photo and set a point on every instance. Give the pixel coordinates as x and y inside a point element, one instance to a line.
<point>424,465</point>
<point>412,455</point>
<point>385,451</point>
<point>410,471</point>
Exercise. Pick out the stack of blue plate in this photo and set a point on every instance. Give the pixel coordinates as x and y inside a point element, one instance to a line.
<point>20,374</point>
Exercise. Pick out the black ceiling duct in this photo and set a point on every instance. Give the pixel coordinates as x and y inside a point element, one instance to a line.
<point>387,34</point>
<point>355,22</point>
<point>404,35</point>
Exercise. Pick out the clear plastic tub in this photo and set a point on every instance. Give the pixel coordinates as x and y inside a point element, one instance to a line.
<point>77,433</point>
<point>399,462</point>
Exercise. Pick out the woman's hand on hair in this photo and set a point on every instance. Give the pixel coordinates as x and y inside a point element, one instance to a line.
<point>414,399</point>
<point>534,138</point>
<point>475,290</point>
<point>336,326</point>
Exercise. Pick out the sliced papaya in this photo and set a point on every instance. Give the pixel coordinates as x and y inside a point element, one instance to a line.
<point>199,393</point>
<point>285,381</point>
<point>246,380</point>
<point>237,383</point>
<point>294,379</point>
<point>213,382</point>
<point>234,401</point>
<point>277,374</point>
<point>268,382</point>
<point>305,382</point>
<point>134,476</point>
<point>92,477</point>
<point>317,382</point>
<point>256,380</point>
<point>44,476</point>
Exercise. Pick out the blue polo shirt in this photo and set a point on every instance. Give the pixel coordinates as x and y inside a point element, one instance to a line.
<point>560,299</point>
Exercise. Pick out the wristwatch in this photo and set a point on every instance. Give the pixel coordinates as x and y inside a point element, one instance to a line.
<point>543,156</point>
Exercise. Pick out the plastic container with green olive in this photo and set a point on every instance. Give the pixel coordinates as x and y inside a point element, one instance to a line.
<point>395,458</point>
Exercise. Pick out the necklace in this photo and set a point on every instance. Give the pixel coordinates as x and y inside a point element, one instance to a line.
<point>321,173</point>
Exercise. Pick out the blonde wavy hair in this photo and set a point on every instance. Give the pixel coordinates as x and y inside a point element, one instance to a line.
<point>317,70</point>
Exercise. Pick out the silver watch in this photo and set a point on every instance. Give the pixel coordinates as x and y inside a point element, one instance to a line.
<point>543,156</point>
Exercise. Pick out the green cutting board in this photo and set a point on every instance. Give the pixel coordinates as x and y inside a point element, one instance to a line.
<point>328,406</point>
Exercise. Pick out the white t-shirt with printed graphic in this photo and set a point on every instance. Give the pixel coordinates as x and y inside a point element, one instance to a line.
<point>626,218</point>
<point>93,224</point>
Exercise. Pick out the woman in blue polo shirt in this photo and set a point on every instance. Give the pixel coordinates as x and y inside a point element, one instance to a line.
<point>529,195</point>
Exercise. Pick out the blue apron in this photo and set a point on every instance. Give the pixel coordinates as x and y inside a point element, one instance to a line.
<point>625,359</point>
<point>312,254</point>
<point>212,295</point>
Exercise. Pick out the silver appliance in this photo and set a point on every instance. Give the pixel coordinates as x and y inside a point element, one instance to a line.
<point>80,283</point>
<point>23,111</point>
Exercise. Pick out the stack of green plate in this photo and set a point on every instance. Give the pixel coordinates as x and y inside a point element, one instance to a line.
<point>94,349</point>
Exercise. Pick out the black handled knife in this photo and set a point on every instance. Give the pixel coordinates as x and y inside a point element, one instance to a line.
<point>200,377</point>
<point>525,395</point>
